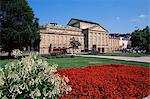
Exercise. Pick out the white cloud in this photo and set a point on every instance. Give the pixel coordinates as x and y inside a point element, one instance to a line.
<point>135,20</point>
<point>117,18</point>
<point>142,16</point>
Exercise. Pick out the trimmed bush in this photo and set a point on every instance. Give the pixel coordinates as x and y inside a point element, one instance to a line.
<point>56,54</point>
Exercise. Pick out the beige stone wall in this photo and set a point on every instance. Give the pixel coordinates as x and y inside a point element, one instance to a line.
<point>100,39</point>
<point>59,38</point>
<point>95,27</point>
<point>92,36</point>
<point>124,43</point>
<point>84,25</point>
<point>96,36</point>
<point>114,44</point>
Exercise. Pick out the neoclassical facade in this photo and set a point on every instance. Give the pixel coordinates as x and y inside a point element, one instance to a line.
<point>114,43</point>
<point>95,36</point>
<point>117,43</point>
<point>92,36</point>
<point>57,37</point>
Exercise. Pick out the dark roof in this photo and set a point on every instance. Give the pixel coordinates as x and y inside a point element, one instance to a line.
<point>82,21</point>
<point>86,22</point>
<point>119,34</point>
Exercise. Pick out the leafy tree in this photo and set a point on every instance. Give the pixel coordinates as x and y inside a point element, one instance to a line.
<point>36,35</point>
<point>74,44</point>
<point>141,39</point>
<point>19,28</point>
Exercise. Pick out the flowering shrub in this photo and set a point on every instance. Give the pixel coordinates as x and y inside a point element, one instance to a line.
<point>111,81</point>
<point>31,77</point>
<point>16,53</point>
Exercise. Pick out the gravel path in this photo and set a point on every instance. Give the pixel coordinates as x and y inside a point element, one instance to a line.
<point>137,59</point>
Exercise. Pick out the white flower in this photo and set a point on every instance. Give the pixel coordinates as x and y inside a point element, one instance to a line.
<point>31,71</point>
<point>16,53</point>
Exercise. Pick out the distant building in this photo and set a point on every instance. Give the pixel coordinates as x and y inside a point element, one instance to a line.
<point>91,35</point>
<point>119,42</point>
<point>114,43</point>
<point>96,37</point>
<point>57,37</point>
<point>124,43</point>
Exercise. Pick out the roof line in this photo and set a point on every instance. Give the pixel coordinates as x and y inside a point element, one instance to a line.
<point>82,21</point>
<point>86,22</point>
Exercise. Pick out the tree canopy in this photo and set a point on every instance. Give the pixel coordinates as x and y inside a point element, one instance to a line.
<point>141,39</point>
<point>19,27</point>
<point>74,44</point>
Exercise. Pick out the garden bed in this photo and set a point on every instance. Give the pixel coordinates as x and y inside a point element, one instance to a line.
<point>108,81</point>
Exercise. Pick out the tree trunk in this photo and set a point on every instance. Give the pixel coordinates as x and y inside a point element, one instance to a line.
<point>147,52</point>
<point>28,48</point>
<point>9,53</point>
<point>73,50</point>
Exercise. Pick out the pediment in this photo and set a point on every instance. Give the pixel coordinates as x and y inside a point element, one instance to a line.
<point>98,28</point>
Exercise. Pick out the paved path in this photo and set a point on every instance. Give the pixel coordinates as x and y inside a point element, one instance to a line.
<point>137,59</point>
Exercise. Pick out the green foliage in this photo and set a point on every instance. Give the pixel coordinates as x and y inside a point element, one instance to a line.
<point>74,44</point>
<point>56,55</point>
<point>19,28</point>
<point>31,77</point>
<point>141,39</point>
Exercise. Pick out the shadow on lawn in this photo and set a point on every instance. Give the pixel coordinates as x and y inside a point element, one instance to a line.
<point>6,57</point>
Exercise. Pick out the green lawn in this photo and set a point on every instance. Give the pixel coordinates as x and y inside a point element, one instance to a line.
<point>86,61</point>
<point>4,62</point>
<point>82,62</point>
<point>125,54</point>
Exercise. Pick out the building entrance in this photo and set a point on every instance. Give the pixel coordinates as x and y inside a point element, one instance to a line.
<point>103,50</point>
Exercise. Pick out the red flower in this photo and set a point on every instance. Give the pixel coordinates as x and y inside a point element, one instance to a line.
<point>108,81</point>
<point>57,51</point>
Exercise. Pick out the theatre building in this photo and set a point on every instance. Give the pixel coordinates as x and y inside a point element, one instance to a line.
<point>56,37</point>
<point>92,36</point>
<point>95,36</point>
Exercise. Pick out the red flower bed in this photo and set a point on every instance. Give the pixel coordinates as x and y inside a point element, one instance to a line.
<point>57,51</point>
<point>107,82</point>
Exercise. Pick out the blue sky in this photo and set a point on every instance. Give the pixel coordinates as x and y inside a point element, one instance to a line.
<point>117,16</point>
